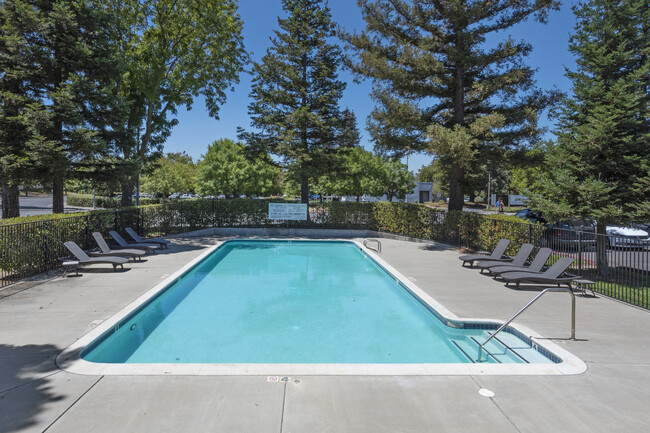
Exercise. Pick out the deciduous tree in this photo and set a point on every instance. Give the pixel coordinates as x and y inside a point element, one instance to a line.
<point>174,172</point>
<point>175,50</point>
<point>225,169</point>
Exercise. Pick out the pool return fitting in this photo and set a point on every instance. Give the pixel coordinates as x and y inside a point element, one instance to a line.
<point>554,289</point>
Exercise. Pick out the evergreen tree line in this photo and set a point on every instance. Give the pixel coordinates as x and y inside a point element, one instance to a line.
<point>597,167</point>
<point>437,85</point>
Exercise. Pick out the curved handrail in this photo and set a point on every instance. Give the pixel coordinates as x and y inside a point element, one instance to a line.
<point>365,244</point>
<point>553,289</point>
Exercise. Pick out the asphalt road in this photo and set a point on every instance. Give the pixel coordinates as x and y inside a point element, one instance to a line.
<point>39,205</point>
<point>623,258</point>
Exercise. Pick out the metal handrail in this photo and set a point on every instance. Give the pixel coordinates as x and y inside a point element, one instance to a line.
<point>365,244</point>
<point>553,289</point>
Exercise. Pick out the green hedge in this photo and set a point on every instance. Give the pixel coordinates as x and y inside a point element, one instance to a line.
<point>37,244</point>
<point>469,229</point>
<point>28,248</point>
<point>45,217</point>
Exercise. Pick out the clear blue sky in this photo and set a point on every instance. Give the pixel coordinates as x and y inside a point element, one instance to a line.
<point>196,129</point>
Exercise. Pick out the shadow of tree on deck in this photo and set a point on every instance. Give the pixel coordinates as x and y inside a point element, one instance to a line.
<point>26,387</point>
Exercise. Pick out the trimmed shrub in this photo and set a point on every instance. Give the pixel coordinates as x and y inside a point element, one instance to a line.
<point>37,244</point>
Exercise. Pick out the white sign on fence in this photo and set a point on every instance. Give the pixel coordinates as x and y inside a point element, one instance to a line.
<point>288,211</point>
<point>517,200</point>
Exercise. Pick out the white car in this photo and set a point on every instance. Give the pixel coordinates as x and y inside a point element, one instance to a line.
<point>627,237</point>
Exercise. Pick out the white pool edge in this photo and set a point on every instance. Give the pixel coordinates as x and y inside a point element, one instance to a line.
<point>71,361</point>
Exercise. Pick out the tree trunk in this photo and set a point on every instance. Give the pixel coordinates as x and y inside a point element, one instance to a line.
<point>601,249</point>
<point>472,197</point>
<point>304,189</point>
<point>127,193</point>
<point>456,198</point>
<point>57,193</point>
<point>10,202</point>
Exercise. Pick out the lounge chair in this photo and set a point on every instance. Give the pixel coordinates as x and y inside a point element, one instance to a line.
<point>164,243</point>
<point>556,274</point>
<point>105,250</point>
<point>125,245</point>
<point>535,266</point>
<point>518,260</point>
<point>497,254</point>
<point>84,259</point>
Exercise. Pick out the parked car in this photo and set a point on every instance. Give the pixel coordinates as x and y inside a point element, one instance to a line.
<point>627,237</point>
<point>570,235</point>
<point>188,195</point>
<point>531,216</point>
<point>175,195</point>
<point>565,235</point>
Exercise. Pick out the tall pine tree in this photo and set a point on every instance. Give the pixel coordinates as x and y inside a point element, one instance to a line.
<point>57,66</point>
<point>19,81</point>
<point>296,92</point>
<point>439,88</point>
<point>599,165</point>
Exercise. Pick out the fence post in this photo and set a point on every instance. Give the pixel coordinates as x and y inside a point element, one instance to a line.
<point>45,250</point>
<point>115,219</point>
<point>530,233</point>
<point>580,252</point>
<point>181,214</point>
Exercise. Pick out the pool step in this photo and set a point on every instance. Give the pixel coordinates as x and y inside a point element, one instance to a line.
<point>504,348</point>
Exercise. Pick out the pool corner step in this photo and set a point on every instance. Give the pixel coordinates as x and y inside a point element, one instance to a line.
<point>507,349</point>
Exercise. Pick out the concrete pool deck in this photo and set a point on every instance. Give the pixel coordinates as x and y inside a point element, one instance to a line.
<point>39,320</point>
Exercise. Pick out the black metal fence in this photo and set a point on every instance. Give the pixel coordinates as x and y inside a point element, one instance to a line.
<point>619,266</point>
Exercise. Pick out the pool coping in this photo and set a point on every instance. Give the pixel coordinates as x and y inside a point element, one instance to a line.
<point>70,358</point>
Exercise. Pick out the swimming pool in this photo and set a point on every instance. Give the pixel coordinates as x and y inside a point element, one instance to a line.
<point>322,305</point>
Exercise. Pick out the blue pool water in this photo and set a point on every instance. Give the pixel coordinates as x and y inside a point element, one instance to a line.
<point>294,302</point>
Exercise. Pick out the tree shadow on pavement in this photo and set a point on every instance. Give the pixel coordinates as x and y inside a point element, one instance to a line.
<point>26,387</point>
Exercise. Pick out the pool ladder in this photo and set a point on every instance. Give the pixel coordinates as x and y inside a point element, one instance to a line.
<point>378,249</point>
<point>559,289</point>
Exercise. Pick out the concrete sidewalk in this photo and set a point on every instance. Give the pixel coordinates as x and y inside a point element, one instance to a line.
<point>38,321</point>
